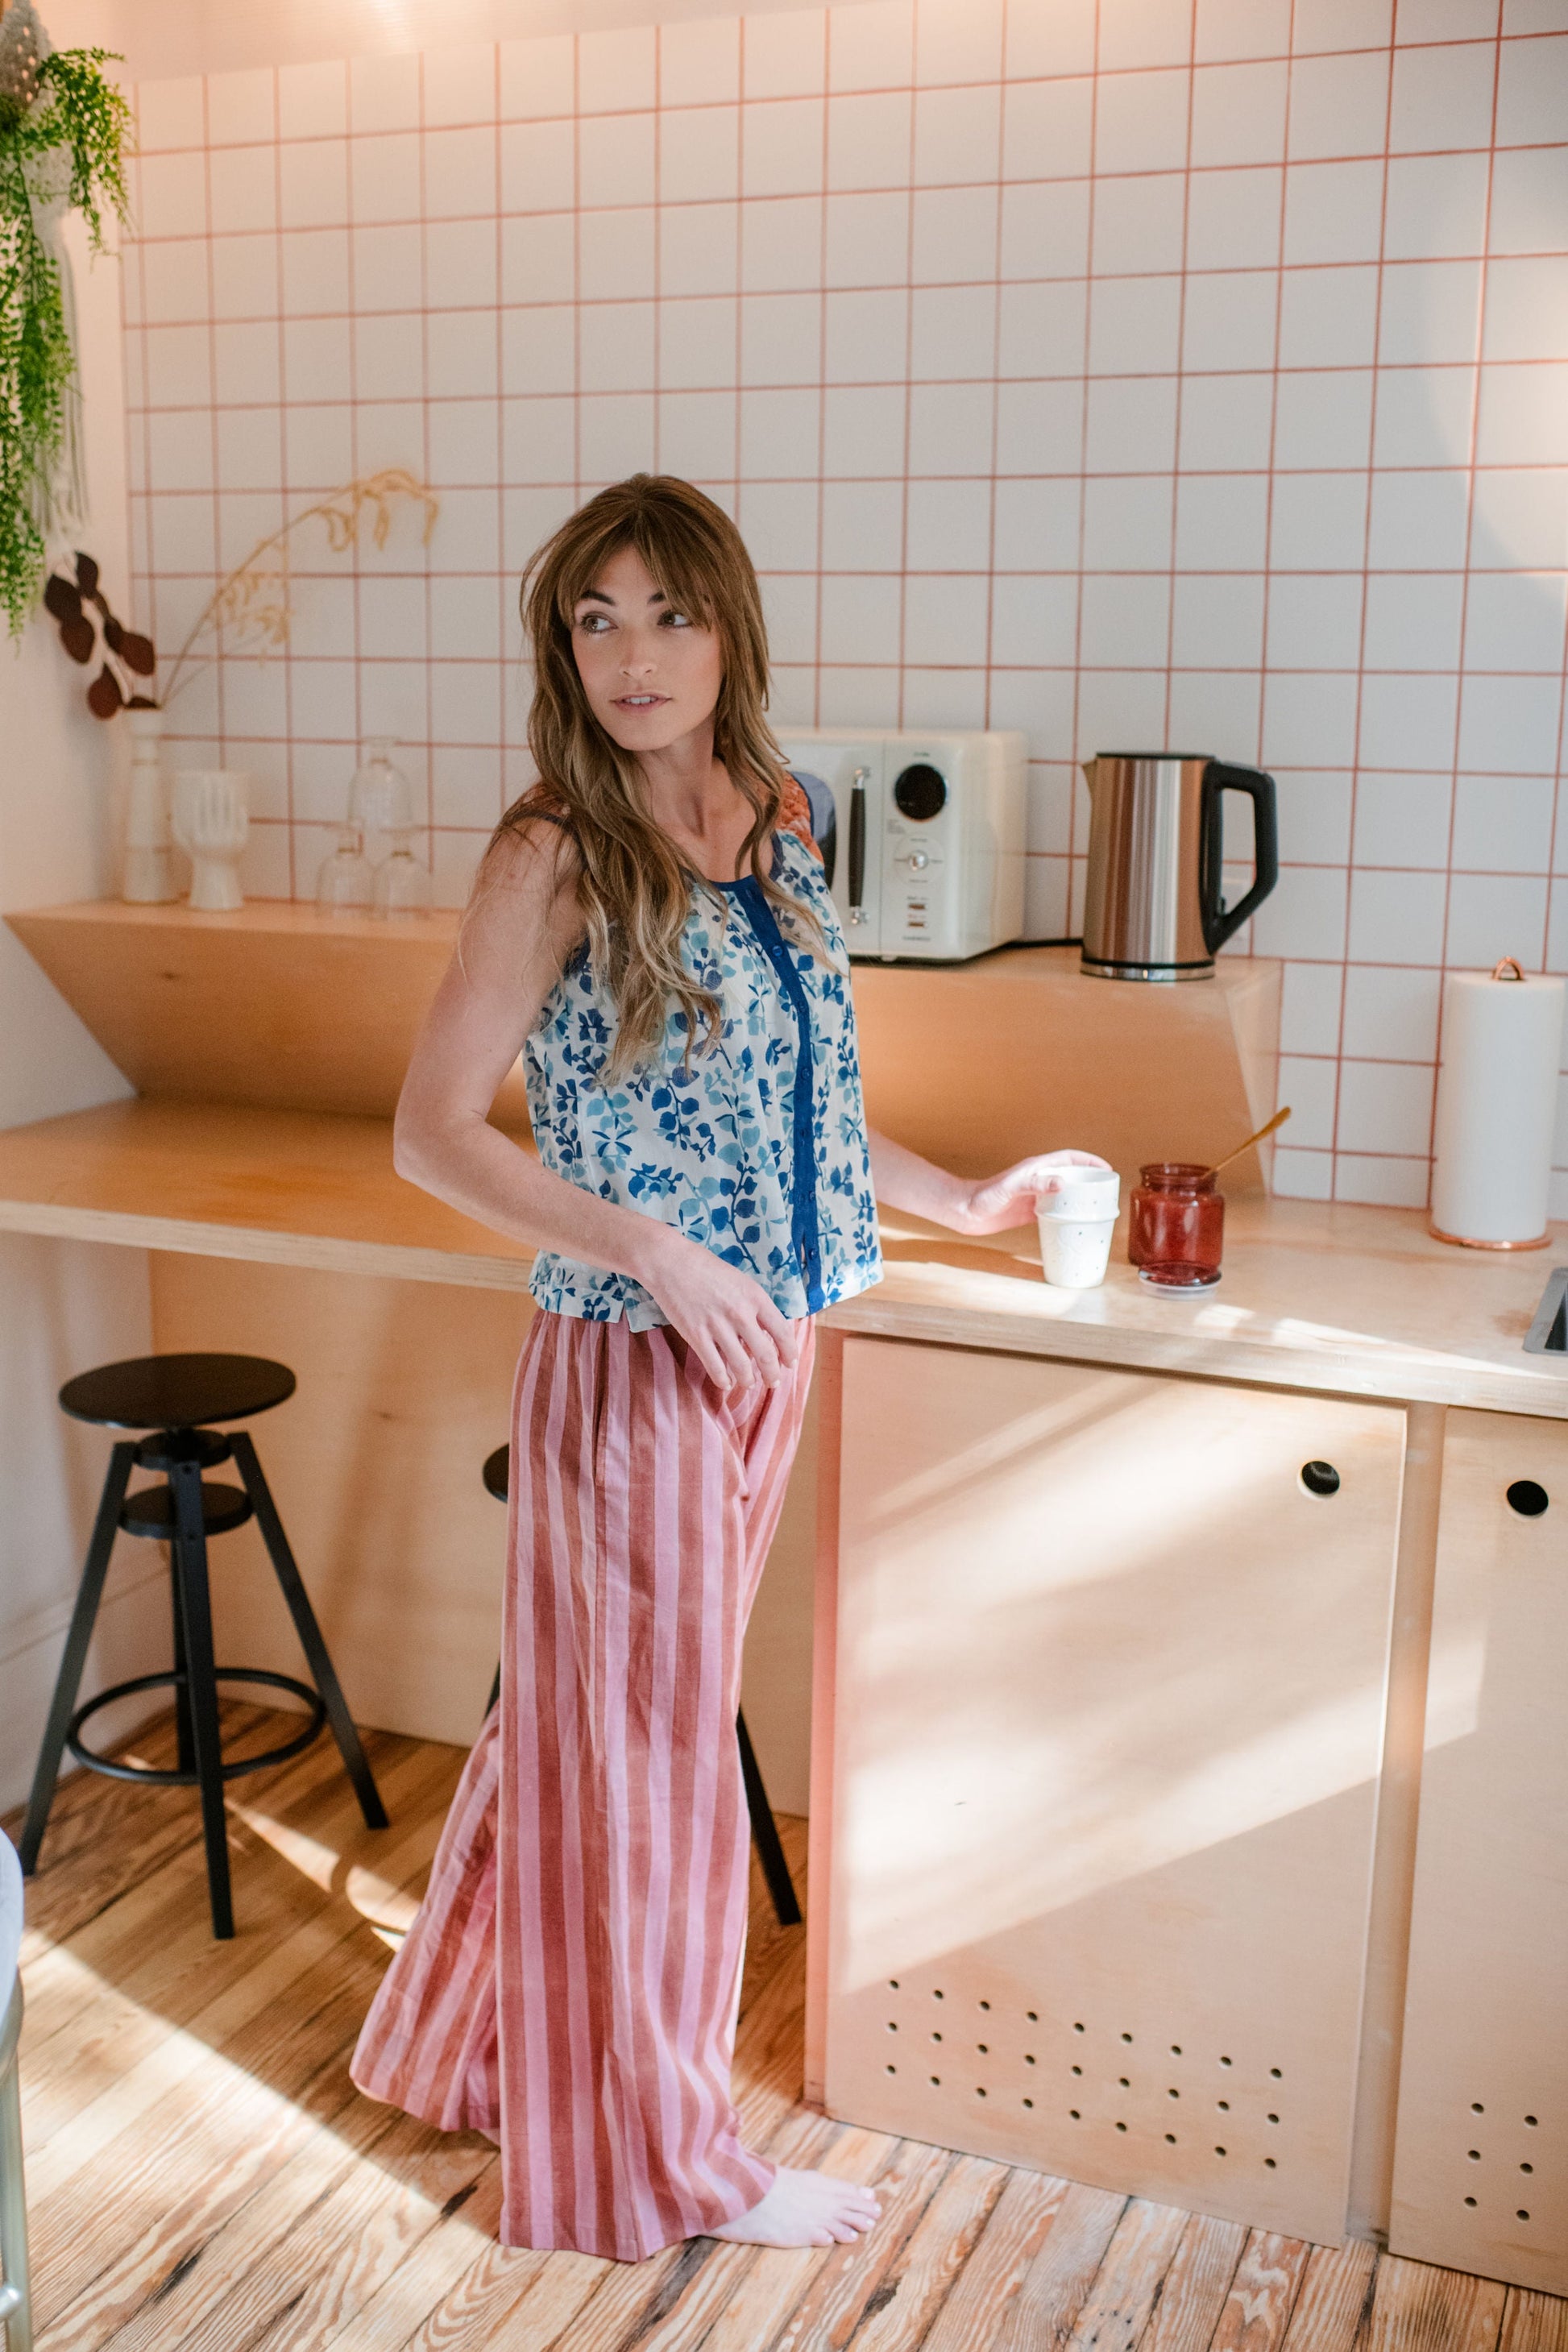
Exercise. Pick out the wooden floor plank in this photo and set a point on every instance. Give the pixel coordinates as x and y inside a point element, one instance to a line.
<point>1534,2322</point>
<point>1416,2308</point>
<point>933,2255</point>
<point>1335,2299</point>
<point>849,2282</point>
<point>1262,2294</point>
<point>1056,2283</point>
<point>1126,2286</point>
<point>1017,2227</point>
<point>1194,2290</point>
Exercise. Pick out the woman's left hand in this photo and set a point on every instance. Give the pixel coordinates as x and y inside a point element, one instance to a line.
<point>993,1205</point>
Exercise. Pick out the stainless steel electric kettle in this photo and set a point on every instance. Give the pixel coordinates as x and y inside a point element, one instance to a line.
<point>1154,907</point>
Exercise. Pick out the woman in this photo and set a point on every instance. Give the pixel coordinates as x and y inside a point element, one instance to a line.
<point>650,929</point>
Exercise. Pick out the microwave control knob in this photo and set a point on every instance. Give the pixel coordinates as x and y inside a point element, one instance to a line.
<point>917,861</point>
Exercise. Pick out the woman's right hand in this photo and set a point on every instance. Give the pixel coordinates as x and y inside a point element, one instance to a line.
<point>728,1321</point>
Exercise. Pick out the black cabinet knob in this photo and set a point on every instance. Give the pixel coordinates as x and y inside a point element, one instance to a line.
<point>1527,1498</point>
<point>1319,1478</point>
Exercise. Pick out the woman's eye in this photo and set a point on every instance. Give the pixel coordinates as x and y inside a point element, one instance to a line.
<point>593,624</point>
<point>673,621</point>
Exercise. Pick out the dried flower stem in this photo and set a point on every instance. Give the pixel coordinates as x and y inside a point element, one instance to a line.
<point>252,604</point>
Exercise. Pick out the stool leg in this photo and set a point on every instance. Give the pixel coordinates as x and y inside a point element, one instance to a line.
<point>765,1831</point>
<point>184,1740</point>
<point>18,2298</point>
<point>62,1706</point>
<point>322,1672</point>
<point>196,1610</point>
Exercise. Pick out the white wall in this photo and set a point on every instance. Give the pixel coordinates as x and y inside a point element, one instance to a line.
<point>63,1306</point>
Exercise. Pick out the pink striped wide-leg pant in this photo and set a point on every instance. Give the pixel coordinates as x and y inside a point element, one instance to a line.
<point>571,1982</point>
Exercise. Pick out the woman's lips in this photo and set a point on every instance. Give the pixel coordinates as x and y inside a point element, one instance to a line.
<point>639,701</point>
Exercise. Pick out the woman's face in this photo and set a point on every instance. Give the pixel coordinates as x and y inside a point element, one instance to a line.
<point>651,675</point>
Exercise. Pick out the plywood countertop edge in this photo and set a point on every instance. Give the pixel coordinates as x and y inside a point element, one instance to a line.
<point>258,1246</point>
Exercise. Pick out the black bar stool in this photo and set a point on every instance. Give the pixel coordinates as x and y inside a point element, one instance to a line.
<point>765,1829</point>
<point>175,1397</point>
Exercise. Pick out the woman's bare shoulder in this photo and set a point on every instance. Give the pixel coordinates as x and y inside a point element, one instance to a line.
<point>524,899</point>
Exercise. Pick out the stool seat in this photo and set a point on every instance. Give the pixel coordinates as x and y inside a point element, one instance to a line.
<point>150,1512</point>
<point>176,1391</point>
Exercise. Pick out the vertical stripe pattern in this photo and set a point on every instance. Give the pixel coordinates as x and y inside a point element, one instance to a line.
<point>571,1982</point>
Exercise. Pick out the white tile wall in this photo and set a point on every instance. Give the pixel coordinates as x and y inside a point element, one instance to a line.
<point>1099,367</point>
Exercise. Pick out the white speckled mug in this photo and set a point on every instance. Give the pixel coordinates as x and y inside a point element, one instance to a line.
<point>1075,1226</point>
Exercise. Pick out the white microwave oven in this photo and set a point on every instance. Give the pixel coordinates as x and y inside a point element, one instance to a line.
<point>922,835</point>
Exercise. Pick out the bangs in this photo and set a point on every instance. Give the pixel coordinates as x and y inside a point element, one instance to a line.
<point>679,552</point>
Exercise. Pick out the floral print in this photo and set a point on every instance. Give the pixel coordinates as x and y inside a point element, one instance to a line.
<point>754,1147</point>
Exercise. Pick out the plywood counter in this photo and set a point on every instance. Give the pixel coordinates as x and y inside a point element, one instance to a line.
<point>1357,1301</point>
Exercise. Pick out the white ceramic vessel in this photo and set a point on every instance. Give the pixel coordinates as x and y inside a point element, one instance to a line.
<point>149,874</point>
<point>211,825</point>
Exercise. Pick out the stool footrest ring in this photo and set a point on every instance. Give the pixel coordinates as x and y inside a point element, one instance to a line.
<point>315,1724</point>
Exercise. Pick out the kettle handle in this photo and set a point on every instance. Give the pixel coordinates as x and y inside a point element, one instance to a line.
<point>1219,921</point>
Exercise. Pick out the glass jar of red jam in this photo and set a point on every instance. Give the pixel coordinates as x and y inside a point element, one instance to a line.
<point>1176,1226</point>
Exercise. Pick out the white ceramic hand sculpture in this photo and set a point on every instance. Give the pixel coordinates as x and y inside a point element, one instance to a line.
<point>211,825</point>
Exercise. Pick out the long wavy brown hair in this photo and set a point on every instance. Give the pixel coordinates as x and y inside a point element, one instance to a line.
<point>635,888</point>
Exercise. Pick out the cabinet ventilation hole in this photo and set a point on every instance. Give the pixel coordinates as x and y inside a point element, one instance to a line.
<point>1476,2108</point>
<point>1527,1498</point>
<point>1527,2168</point>
<point>1521,2215</point>
<point>1470,2200</point>
<point>1028,2102</point>
<point>1121,2128</point>
<point>1531,2121</point>
<point>1319,1478</point>
<point>1171,2139</point>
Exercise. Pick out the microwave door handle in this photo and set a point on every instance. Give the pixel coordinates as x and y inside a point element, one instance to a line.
<point>857,845</point>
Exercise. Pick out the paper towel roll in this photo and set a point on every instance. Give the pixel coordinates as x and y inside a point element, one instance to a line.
<point>1497,1106</point>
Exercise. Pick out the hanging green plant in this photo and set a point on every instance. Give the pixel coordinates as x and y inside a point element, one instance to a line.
<point>64,131</point>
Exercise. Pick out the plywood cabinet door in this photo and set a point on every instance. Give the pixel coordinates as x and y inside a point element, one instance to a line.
<point>1480,2175</point>
<point>1110,1698</point>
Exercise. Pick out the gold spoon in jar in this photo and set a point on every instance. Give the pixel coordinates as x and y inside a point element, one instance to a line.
<point>1278,1119</point>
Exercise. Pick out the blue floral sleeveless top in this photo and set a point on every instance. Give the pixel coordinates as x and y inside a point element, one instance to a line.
<point>756,1146</point>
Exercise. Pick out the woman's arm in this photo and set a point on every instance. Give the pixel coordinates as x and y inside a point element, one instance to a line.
<point>514,943</point>
<point>986,1204</point>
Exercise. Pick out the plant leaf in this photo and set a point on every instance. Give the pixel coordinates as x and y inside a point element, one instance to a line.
<point>62,597</point>
<point>136,652</point>
<point>112,632</point>
<point>103,696</point>
<point>87,574</point>
<point>79,637</point>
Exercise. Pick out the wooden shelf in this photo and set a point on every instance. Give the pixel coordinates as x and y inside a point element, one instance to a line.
<point>1351,1301</point>
<point>974,1064</point>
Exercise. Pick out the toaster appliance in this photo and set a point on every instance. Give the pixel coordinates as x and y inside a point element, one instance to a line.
<point>922,835</point>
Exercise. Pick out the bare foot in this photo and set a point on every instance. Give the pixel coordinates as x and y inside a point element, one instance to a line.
<point>805,2209</point>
